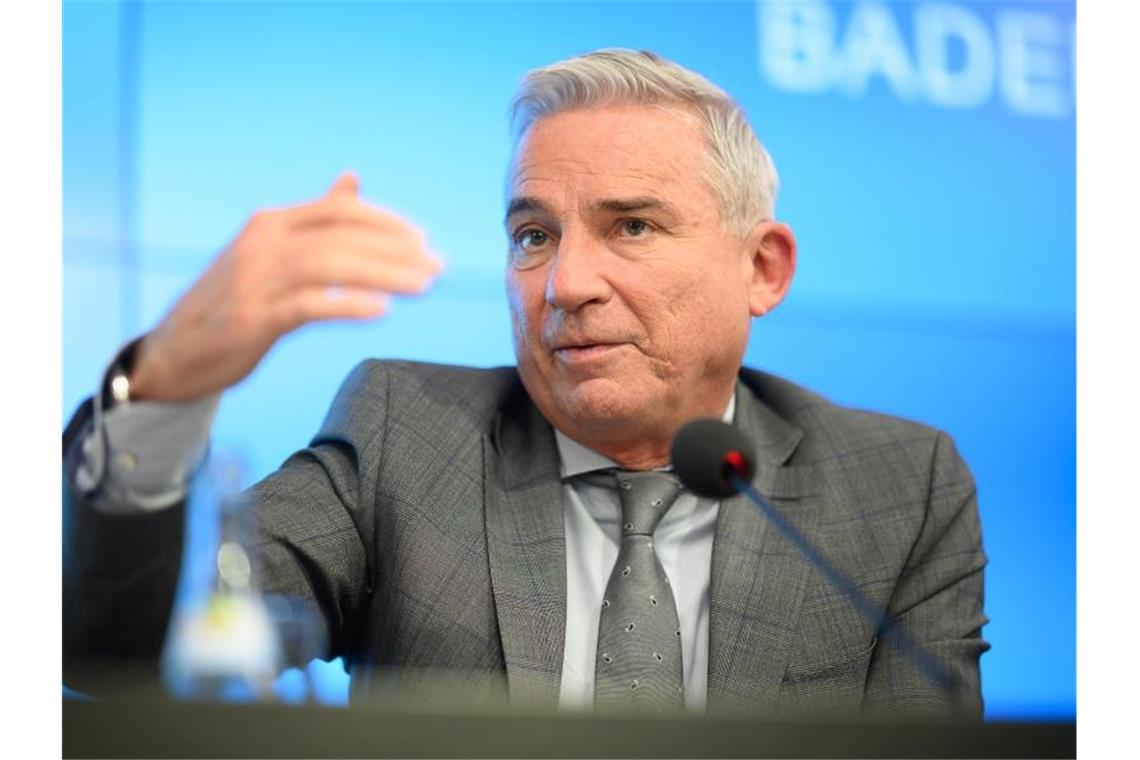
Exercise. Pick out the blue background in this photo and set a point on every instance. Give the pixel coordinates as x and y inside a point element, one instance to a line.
<point>937,265</point>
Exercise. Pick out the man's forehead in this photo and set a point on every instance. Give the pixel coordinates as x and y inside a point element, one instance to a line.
<point>612,151</point>
<point>628,131</point>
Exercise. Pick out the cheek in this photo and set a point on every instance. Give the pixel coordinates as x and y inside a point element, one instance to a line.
<point>513,296</point>
<point>701,312</point>
<point>525,308</point>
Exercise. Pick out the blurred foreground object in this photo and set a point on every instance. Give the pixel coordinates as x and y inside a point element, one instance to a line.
<point>154,728</point>
<point>227,641</point>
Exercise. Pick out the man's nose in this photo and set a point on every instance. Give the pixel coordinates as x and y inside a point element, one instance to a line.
<point>577,273</point>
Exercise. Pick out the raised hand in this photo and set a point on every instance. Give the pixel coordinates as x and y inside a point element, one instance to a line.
<point>335,258</point>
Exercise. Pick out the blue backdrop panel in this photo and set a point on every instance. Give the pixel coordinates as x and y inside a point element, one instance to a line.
<point>927,159</point>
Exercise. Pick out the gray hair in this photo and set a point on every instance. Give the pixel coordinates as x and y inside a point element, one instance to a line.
<point>739,170</point>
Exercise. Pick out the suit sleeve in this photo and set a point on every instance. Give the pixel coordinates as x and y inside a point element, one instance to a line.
<point>308,541</point>
<point>120,569</point>
<point>938,602</point>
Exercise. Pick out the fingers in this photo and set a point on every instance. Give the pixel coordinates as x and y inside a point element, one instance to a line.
<point>327,303</point>
<point>406,247</point>
<point>355,258</point>
<point>342,205</point>
<point>342,209</point>
<point>347,184</point>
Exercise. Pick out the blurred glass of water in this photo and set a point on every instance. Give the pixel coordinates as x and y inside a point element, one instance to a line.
<point>227,639</point>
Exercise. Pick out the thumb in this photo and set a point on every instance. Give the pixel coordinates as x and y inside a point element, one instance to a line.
<point>346,184</point>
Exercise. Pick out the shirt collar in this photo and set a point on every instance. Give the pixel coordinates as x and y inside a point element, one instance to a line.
<point>575,459</point>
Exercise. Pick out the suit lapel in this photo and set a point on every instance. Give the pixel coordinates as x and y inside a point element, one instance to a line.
<point>758,579</point>
<point>526,545</point>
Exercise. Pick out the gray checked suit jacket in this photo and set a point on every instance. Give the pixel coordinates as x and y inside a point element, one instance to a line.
<point>425,522</point>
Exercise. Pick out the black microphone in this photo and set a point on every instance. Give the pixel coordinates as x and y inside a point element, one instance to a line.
<point>715,459</point>
<point>707,452</point>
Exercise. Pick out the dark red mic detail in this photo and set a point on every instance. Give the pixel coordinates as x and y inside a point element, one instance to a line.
<point>735,463</point>
<point>709,454</point>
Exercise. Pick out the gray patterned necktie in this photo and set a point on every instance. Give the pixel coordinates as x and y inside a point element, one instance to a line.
<point>639,639</point>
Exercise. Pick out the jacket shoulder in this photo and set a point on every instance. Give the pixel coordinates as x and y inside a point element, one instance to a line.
<point>833,431</point>
<point>378,393</point>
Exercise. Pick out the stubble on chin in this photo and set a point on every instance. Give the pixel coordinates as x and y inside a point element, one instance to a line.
<point>600,410</point>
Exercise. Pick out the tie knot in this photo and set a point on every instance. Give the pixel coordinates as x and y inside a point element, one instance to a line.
<point>645,497</point>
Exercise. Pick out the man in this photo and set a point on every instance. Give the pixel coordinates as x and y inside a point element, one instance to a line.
<point>473,520</point>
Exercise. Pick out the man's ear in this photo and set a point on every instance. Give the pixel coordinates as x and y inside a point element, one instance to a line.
<point>773,258</point>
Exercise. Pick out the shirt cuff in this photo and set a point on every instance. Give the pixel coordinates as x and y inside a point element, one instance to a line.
<point>142,454</point>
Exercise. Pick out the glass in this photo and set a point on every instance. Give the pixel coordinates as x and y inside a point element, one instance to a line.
<point>222,642</point>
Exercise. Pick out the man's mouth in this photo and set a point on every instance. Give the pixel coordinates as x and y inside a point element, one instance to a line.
<point>585,352</point>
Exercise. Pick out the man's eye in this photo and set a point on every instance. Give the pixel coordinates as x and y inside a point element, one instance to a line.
<point>528,240</point>
<point>635,227</point>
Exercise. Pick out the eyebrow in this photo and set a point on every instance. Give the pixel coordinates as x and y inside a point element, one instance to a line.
<point>527,203</point>
<point>639,203</point>
<point>523,204</point>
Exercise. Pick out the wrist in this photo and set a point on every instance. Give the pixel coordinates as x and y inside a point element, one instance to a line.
<point>117,388</point>
<point>143,377</point>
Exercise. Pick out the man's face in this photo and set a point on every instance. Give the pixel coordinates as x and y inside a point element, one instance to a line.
<point>629,299</point>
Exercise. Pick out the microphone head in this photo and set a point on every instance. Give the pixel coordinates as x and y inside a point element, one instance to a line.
<point>706,451</point>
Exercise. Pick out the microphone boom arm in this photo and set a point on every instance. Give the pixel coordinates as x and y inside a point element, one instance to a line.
<point>893,633</point>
